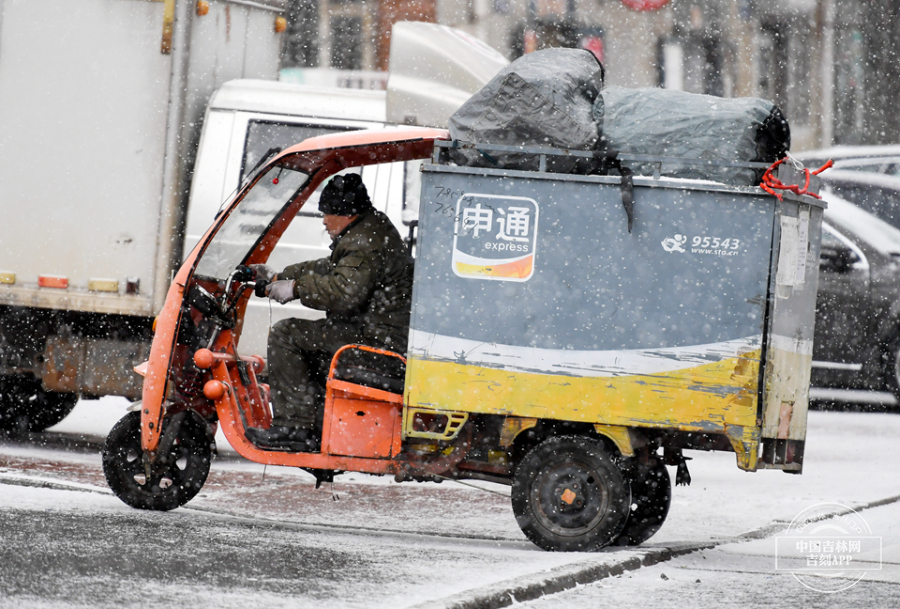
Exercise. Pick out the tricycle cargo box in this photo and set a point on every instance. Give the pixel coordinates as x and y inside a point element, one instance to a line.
<point>700,320</point>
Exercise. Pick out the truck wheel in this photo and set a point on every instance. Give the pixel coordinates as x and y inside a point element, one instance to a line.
<point>569,495</point>
<point>651,495</point>
<point>175,478</point>
<point>26,407</point>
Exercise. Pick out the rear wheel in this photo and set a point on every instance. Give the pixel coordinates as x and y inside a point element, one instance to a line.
<point>569,495</point>
<point>651,495</point>
<point>26,407</point>
<point>170,481</point>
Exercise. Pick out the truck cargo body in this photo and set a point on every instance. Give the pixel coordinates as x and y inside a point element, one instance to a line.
<point>102,104</point>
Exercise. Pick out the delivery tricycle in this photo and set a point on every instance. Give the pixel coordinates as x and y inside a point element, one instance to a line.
<point>560,342</point>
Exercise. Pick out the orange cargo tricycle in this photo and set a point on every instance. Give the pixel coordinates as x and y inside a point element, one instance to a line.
<point>531,361</point>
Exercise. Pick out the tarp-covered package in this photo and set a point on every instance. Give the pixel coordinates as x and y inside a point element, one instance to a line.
<point>662,122</point>
<point>542,99</point>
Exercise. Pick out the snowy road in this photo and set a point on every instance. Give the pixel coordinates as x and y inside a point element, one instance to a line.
<point>269,538</point>
<point>75,549</point>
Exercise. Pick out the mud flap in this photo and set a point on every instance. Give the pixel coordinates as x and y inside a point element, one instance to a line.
<point>321,475</point>
<point>676,457</point>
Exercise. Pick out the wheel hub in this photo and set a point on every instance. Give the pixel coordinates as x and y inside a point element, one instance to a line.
<point>570,498</point>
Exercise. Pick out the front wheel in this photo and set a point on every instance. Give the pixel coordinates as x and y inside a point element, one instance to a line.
<point>569,495</point>
<point>172,479</point>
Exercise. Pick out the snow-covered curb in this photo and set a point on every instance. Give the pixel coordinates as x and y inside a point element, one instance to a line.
<point>530,587</point>
<point>607,564</point>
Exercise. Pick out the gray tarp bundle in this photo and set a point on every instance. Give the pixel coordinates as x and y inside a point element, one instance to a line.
<point>660,122</point>
<point>555,98</point>
<point>542,99</point>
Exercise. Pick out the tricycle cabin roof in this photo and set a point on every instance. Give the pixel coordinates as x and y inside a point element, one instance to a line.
<point>354,148</point>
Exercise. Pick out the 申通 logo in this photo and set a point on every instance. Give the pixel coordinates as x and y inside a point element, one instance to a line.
<point>495,237</point>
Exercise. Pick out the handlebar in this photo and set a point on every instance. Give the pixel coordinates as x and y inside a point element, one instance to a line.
<point>245,274</point>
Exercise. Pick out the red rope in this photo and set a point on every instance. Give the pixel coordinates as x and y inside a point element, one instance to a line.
<point>771,184</point>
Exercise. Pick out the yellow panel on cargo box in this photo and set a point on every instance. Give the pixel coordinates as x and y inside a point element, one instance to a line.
<point>704,398</point>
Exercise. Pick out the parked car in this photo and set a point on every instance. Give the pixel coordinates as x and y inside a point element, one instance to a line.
<point>870,159</point>
<point>876,193</point>
<point>868,176</point>
<point>857,335</point>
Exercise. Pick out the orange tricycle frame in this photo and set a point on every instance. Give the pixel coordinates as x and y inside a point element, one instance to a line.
<point>320,158</point>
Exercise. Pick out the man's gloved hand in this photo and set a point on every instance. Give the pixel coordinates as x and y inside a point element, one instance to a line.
<point>263,272</point>
<point>281,291</point>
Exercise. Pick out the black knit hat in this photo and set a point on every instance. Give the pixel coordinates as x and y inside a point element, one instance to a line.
<point>345,195</point>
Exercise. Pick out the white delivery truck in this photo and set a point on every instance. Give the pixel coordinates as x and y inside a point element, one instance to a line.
<point>105,105</point>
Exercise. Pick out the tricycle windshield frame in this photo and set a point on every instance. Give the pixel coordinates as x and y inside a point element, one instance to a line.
<point>249,230</point>
<point>249,221</point>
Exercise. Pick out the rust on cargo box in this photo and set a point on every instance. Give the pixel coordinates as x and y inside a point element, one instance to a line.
<point>512,427</point>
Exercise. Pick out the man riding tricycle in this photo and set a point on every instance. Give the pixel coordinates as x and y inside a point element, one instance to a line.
<point>552,346</point>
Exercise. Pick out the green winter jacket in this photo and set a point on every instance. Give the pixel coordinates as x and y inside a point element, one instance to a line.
<point>366,280</point>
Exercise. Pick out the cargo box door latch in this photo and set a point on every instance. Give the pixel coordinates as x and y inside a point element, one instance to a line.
<point>601,163</point>
<point>627,194</point>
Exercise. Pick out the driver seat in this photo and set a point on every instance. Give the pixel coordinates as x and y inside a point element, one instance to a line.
<point>370,367</point>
